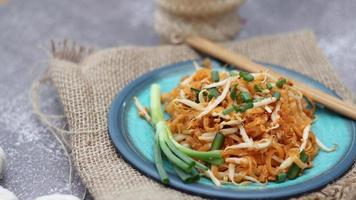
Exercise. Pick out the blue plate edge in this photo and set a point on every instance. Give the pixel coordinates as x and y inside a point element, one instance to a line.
<point>212,192</point>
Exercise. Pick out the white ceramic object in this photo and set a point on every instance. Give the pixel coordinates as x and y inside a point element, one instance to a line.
<point>58,197</point>
<point>6,194</point>
<point>2,163</point>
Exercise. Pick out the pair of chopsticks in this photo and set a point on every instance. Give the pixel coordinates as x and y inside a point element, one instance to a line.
<point>217,51</point>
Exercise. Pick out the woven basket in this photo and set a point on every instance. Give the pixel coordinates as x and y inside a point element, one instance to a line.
<point>214,19</point>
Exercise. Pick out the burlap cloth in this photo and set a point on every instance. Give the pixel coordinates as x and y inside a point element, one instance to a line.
<point>88,81</point>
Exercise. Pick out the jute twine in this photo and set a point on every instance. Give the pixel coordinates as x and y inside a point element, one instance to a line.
<point>88,81</point>
<point>213,19</point>
<point>59,133</point>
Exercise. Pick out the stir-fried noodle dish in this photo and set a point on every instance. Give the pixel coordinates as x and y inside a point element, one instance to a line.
<point>235,127</point>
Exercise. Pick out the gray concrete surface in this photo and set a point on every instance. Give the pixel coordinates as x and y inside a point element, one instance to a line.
<point>37,164</point>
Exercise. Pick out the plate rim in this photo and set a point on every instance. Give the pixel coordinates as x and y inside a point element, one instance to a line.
<point>129,153</point>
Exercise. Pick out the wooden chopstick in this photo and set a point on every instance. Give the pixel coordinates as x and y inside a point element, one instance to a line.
<point>217,51</point>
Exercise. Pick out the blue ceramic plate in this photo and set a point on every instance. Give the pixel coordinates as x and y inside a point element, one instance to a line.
<point>133,138</point>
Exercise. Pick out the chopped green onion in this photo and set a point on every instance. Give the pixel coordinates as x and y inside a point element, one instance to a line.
<point>303,156</point>
<point>236,108</point>
<point>246,76</point>
<point>258,88</point>
<point>281,82</point>
<point>269,86</point>
<point>192,177</point>
<point>243,107</point>
<point>294,170</point>
<point>218,141</point>
<point>277,95</point>
<point>212,92</point>
<point>228,110</point>
<point>310,105</point>
<point>245,97</point>
<point>233,92</point>
<point>196,91</point>
<point>233,73</point>
<point>281,177</point>
<point>215,76</point>
<point>158,161</point>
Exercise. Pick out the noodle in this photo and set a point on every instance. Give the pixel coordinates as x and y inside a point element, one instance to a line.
<point>260,141</point>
